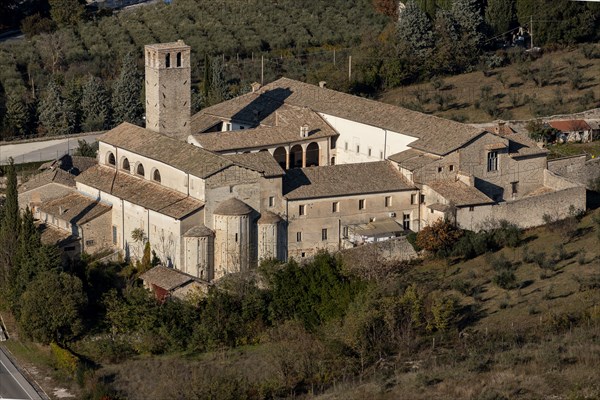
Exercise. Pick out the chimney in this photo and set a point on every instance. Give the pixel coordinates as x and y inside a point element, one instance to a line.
<point>255,86</point>
<point>304,131</point>
<point>322,84</point>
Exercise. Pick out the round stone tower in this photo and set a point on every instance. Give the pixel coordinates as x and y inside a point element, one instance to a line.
<point>199,252</point>
<point>268,235</point>
<point>233,235</point>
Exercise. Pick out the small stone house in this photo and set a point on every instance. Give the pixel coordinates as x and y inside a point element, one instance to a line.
<point>574,130</point>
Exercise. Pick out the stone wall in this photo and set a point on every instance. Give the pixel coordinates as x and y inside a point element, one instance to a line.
<point>529,211</point>
<point>576,169</point>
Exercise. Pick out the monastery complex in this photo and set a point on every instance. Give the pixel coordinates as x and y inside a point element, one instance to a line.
<point>285,170</point>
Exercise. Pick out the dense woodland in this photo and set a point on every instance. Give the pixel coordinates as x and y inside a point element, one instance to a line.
<point>80,70</point>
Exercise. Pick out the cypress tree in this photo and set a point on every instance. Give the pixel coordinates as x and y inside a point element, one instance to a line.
<point>126,93</point>
<point>9,226</point>
<point>17,116</point>
<point>414,33</point>
<point>500,15</point>
<point>55,118</point>
<point>95,105</point>
<point>72,104</point>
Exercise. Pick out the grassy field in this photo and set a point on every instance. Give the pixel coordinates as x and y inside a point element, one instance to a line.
<point>522,90</point>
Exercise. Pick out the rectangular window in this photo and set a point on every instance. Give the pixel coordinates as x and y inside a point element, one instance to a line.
<point>515,187</point>
<point>298,236</point>
<point>388,201</point>
<point>381,155</point>
<point>302,210</point>
<point>413,198</point>
<point>471,208</point>
<point>236,237</point>
<point>345,231</point>
<point>422,199</point>
<point>271,201</point>
<point>357,149</point>
<point>114,234</point>
<point>492,161</point>
<point>406,221</point>
<point>370,152</point>
<point>335,206</point>
<point>323,234</point>
<point>361,204</point>
<point>440,169</point>
<point>89,242</point>
<point>451,167</point>
<point>345,145</point>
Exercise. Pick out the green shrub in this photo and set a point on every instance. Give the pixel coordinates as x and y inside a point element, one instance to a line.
<point>505,279</point>
<point>65,361</point>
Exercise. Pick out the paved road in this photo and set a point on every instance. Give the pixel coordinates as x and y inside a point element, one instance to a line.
<point>41,150</point>
<point>13,385</point>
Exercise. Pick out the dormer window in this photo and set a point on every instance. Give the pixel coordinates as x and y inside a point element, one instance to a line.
<point>304,131</point>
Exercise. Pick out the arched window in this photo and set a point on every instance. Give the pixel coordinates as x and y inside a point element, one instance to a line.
<point>125,165</point>
<point>110,158</point>
<point>168,60</point>
<point>156,176</point>
<point>179,59</point>
<point>140,169</point>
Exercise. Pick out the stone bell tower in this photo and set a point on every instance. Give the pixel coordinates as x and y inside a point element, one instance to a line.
<point>168,84</point>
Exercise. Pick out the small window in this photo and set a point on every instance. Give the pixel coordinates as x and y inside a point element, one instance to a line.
<point>471,208</point>
<point>413,199</point>
<point>303,254</point>
<point>345,145</point>
<point>298,236</point>
<point>302,210</point>
<point>168,60</point>
<point>324,234</point>
<point>440,169</point>
<point>271,201</point>
<point>345,231</point>
<point>492,161</point>
<point>406,221</point>
<point>388,201</point>
<point>114,235</point>
<point>332,143</point>
<point>125,165</point>
<point>515,187</point>
<point>361,204</point>
<point>451,167</point>
<point>422,199</point>
<point>111,158</point>
<point>179,59</point>
<point>140,170</point>
<point>370,151</point>
<point>332,160</point>
<point>357,148</point>
<point>89,242</point>
<point>236,237</point>
<point>156,176</point>
<point>335,206</point>
<point>381,155</point>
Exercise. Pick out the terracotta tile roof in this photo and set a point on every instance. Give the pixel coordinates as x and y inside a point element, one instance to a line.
<point>435,135</point>
<point>75,208</point>
<point>344,179</point>
<point>521,145</point>
<point>198,231</point>
<point>570,125</point>
<point>50,235</point>
<point>250,109</point>
<point>165,278</point>
<point>267,217</point>
<point>50,176</point>
<point>280,127</point>
<point>412,159</point>
<point>384,227</point>
<point>183,156</point>
<point>459,193</point>
<point>233,206</point>
<point>261,161</point>
<point>201,122</point>
<point>140,191</point>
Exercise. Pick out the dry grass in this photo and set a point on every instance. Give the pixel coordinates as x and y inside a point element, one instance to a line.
<point>511,88</point>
